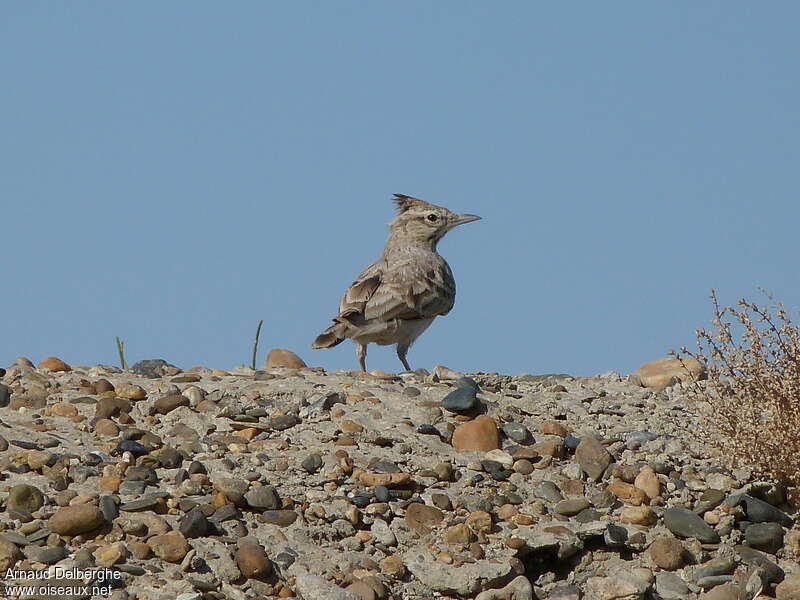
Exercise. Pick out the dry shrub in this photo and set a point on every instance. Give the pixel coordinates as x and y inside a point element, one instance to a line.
<point>751,398</point>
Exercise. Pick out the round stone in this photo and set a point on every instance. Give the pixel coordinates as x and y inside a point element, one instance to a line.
<point>281,518</point>
<point>518,433</point>
<point>280,357</point>
<point>264,497</point>
<point>168,403</point>
<point>461,401</point>
<point>667,553</point>
<point>571,506</point>
<point>312,463</point>
<point>56,365</point>
<point>194,524</point>
<point>73,520</point>
<point>765,536</point>
<point>252,560</point>
<point>26,497</point>
<point>479,434</point>
<point>5,395</point>
<point>171,547</point>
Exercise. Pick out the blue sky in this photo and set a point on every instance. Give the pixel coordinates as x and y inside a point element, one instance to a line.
<point>172,172</point>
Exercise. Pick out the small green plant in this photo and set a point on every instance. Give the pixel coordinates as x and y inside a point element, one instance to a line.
<point>255,345</point>
<point>750,402</point>
<point>121,350</point>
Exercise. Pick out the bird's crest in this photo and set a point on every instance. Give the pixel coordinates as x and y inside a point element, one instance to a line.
<point>403,202</point>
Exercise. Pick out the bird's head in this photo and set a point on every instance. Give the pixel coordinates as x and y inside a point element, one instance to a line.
<point>422,222</point>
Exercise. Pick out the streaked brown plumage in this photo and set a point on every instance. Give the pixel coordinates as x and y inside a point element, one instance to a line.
<point>398,296</point>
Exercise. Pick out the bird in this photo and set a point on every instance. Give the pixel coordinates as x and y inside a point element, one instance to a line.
<point>397,297</point>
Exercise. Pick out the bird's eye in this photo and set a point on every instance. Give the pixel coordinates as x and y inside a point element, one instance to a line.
<point>432,217</point>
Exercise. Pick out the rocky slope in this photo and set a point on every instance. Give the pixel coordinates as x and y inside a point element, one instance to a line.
<point>294,482</point>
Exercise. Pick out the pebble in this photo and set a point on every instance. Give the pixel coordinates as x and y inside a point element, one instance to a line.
<point>479,434</point>
<point>280,357</point>
<point>312,463</point>
<point>571,506</point>
<point>670,586</point>
<point>194,524</point>
<point>53,364</point>
<point>283,422</point>
<point>461,401</point>
<point>758,511</point>
<point>518,433</point>
<point>281,518</point>
<point>767,537</point>
<point>73,520</point>
<point>171,547</point>
<point>252,560</point>
<point>131,391</point>
<point>166,404</point>
<point>264,497</point>
<point>685,523</point>
<point>26,497</point>
<point>667,553</point>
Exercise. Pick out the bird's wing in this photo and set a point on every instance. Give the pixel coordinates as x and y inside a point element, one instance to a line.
<point>380,293</point>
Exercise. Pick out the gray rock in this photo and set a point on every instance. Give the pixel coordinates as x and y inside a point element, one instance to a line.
<point>685,523</point>
<point>709,500</point>
<point>461,401</point>
<point>547,490</point>
<point>571,506</point>
<point>615,536</point>
<point>194,524</point>
<point>765,536</point>
<point>132,488</point>
<point>5,395</point>
<point>225,513</point>
<point>713,581</point>
<point>283,422</point>
<point>146,503</point>
<point>108,507</point>
<point>311,463</point>
<point>518,433</point>
<point>670,586</point>
<point>715,566</point>
<point>264,497</point>
<point>48,555</point>
<point>497,471</point>
<point>759,511</point>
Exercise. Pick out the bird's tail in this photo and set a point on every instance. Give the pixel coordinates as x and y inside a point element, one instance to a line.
<point>329,338</point>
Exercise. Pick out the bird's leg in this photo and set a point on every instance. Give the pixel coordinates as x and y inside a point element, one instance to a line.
<point>361,349</point>
<point>401,354</point>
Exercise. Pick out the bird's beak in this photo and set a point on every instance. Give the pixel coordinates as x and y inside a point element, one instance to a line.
<point>461,219</point>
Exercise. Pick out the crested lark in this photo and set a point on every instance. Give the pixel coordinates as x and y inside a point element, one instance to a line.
<point>398,296</point>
